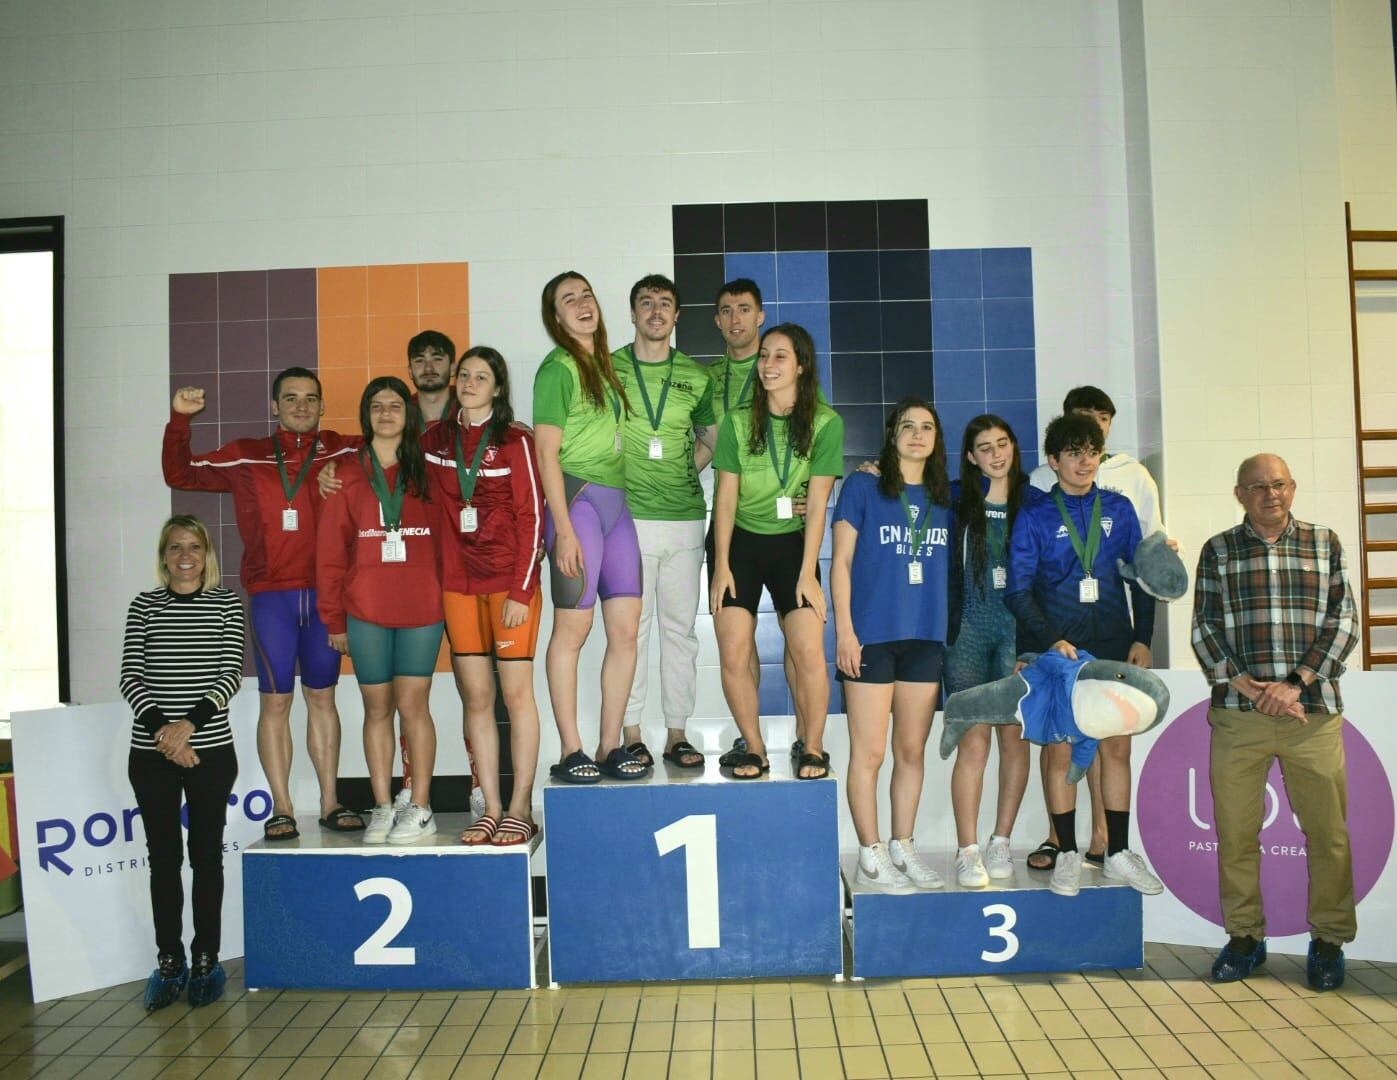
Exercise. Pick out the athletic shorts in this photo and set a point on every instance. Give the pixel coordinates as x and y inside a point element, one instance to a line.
<point>610,551</point>
<point>475,626</point>
<point>910,660</point>
<point>287,632</point>
<point>382,653</point>
<point>761,560</point>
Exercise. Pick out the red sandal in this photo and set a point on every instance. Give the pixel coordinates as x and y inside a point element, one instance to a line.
<point>481,832</point>
<point>514,831</point>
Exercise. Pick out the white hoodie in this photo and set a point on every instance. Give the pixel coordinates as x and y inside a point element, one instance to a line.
<point>1122,473</point>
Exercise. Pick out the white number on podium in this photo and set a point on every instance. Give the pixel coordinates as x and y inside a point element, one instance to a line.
<point>1003,930</point>
<point>376,949</point>
<point>697,834</point>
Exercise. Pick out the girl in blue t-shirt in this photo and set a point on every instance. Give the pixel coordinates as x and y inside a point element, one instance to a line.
<point>889,578</point>
<point>980,646</point>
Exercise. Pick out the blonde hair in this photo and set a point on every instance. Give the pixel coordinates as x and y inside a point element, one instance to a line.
<point>212,576</point>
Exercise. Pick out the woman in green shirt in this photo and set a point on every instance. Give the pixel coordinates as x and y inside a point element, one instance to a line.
<point>580,411</point>
<point>786,445</point>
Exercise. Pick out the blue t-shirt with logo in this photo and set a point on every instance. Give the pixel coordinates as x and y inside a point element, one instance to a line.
<point>886,605</point>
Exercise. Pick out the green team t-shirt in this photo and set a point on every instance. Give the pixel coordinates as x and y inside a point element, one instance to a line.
<point>665,488</point>
<point>589,450</point>
<point>760,488</point>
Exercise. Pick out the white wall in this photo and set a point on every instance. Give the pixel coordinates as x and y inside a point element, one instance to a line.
<point>242,134</point>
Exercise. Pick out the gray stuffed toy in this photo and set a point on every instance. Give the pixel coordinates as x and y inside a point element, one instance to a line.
<point>1156,568</point>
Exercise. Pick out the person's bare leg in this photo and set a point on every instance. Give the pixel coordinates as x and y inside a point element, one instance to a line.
<point>570,630</point>
<point>323,743</point>
<point>805,643</point>
<point>913,705</point>
<point>790,665</point>
<point>379,710</point>
<point>1098,803</point>
<point>517,687</point>
<point>1013,777</point>
<point>475,676</point>
<point>869,708</point>
<point>968,783</point>
<point>735,628</point>
<point>621,618</point>
<point>411,692</point>
<point>274,749</point>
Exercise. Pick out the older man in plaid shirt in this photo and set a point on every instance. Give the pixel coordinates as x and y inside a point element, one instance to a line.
<point>1273,620</point>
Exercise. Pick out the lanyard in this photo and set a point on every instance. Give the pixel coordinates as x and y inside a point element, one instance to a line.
<point>391,502</point>
<point>925,537</point>
<point>658,412</point>
<point>782,474</point>
<point>286,484</point>
<point>746,385</point>
<point>1086,552</point>
<point>468,479</point>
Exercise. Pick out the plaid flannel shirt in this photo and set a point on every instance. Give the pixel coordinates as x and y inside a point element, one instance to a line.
<point>1270,609</point>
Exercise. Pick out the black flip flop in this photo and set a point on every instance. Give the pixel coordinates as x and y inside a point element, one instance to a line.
<point>676,754</point>
<point>813,761</point>
<point>573,769</point>
<point>641,753</point>
<point>276,822</point>
<point>749,760</point>
<point>1046,850</point>
<point>336,818</point>
<point>1094,858</point>
<point>615,765</point>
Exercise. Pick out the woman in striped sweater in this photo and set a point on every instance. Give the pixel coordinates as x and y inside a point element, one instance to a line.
<point>181,664</point>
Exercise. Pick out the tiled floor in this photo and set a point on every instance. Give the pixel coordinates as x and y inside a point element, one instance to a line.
<point>1166,1020</point>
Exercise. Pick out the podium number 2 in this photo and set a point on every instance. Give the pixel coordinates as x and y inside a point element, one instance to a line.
<point>376,948</point>
<point>1003,930</point>
<point>697,834</point>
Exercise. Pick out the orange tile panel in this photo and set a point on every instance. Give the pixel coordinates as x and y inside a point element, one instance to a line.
<point>343,290</point>
<point>393,289</point>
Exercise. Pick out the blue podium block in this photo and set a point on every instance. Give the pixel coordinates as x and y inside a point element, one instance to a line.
<point>1018,925</point>
<point>327,911</point>
<point>693,877</point>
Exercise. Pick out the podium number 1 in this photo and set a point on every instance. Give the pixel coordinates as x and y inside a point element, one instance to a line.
<point>376,949</point>
<point>697,834</point>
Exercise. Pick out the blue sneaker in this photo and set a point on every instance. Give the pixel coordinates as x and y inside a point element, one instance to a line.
<point>206,980</point>
<point>1235,962</point>
<point>1324,969</point>
<point>166,982</point>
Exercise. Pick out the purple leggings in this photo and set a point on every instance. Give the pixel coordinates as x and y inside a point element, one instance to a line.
<point>610,551</point>
<point>286,630</point>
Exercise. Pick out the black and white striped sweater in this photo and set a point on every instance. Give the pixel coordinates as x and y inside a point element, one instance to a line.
<point>183,660</point>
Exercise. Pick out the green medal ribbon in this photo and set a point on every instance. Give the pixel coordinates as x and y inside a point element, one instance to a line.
<point>1086,552</point>
<point>997,539</point>
<point>925,536</point>
<point>468,479</point>
<point>727,385</point>
<point>391,502</point>
<point>286,484</point>
<point>782,474</point>
<point>655,414</point>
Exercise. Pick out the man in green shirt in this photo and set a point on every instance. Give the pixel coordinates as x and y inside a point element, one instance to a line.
<point>740,316</point>
<point>672,395</point>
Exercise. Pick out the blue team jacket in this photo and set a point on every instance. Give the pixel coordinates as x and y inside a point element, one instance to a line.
<point>1046,710</point>
<point>1044,574</point>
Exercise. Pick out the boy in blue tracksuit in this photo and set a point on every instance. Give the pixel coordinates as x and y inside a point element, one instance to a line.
<point>1067,594</point>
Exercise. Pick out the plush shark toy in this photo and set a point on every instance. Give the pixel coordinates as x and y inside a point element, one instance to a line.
<point>1156,568</point>
<point>1055,700</point>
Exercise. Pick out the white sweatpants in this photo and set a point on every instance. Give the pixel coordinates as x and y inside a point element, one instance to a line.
<point>671,558</point>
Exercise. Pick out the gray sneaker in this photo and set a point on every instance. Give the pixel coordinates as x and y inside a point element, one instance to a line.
<point>412,825</point>
<point>380,824</point>
<point>1067,875</point>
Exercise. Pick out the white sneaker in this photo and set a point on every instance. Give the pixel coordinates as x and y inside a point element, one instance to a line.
<point>906,859</point>
<point>380,824</point>
<point>998,862</point>
<point>403,799</point>
<point>970,870</point>
<point>1067,874</point>
<point>876,871</point>
<point>412,825</point>
<point>1128,867</point>
<point>477,802</point>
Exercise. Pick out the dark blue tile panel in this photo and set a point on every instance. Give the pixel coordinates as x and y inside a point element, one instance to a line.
<point>1008,272</point>
<point>957,324</point>
<point>853,275</point>
<point>907,374</point>
<point>1008,324</point>
<point>856,327</point>
<point>857,379</point>
<point>904,275</point>
<point>863,429</point>
<point>955,274</point>
<point>906,325</point>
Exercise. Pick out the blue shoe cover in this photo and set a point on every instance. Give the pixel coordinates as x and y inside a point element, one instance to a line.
<point>163,990</point>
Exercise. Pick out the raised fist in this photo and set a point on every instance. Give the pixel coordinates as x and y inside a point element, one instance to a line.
<point>188,401</point>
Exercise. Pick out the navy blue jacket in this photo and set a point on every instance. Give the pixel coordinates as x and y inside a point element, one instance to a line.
<point>1044,573</point>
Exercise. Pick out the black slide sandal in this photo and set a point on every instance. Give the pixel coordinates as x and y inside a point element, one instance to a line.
<point>1047,853</point>
<point>681,750</point>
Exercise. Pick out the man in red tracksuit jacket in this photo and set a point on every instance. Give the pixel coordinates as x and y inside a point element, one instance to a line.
<point>276,500</point>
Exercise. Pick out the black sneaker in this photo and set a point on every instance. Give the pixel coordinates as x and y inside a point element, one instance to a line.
<point>166,982</point>
<point>206,980</point>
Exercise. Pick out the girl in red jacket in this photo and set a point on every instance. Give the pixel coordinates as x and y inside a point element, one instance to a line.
<point>379,579</point>
<point>484,479</point>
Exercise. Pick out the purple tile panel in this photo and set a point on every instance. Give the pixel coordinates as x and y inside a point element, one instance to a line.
<point>248,429</point>
<point>193,346</point>
<point>292,342</point>
<point>204,505</point>
<point>242,346</point>
<point>193,298</point>
<point>291,294</point>
<point>244,396</point>
<point>242,294</point>
<point>208,382</point>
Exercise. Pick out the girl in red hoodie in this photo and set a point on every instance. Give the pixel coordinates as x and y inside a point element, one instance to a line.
<point>484,478</point>
<point>379,580</point>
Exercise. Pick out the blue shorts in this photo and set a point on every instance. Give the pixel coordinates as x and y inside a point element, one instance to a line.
<point>381,653</point>
<point>911,660</point>
<point>287,631</point>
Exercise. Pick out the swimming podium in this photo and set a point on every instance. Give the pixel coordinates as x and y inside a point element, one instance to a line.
<point>680,876</point>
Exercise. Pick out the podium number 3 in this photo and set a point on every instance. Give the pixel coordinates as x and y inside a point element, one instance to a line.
<point>1003,930</point>
<point>376,949</point>
<point>697,834</point>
